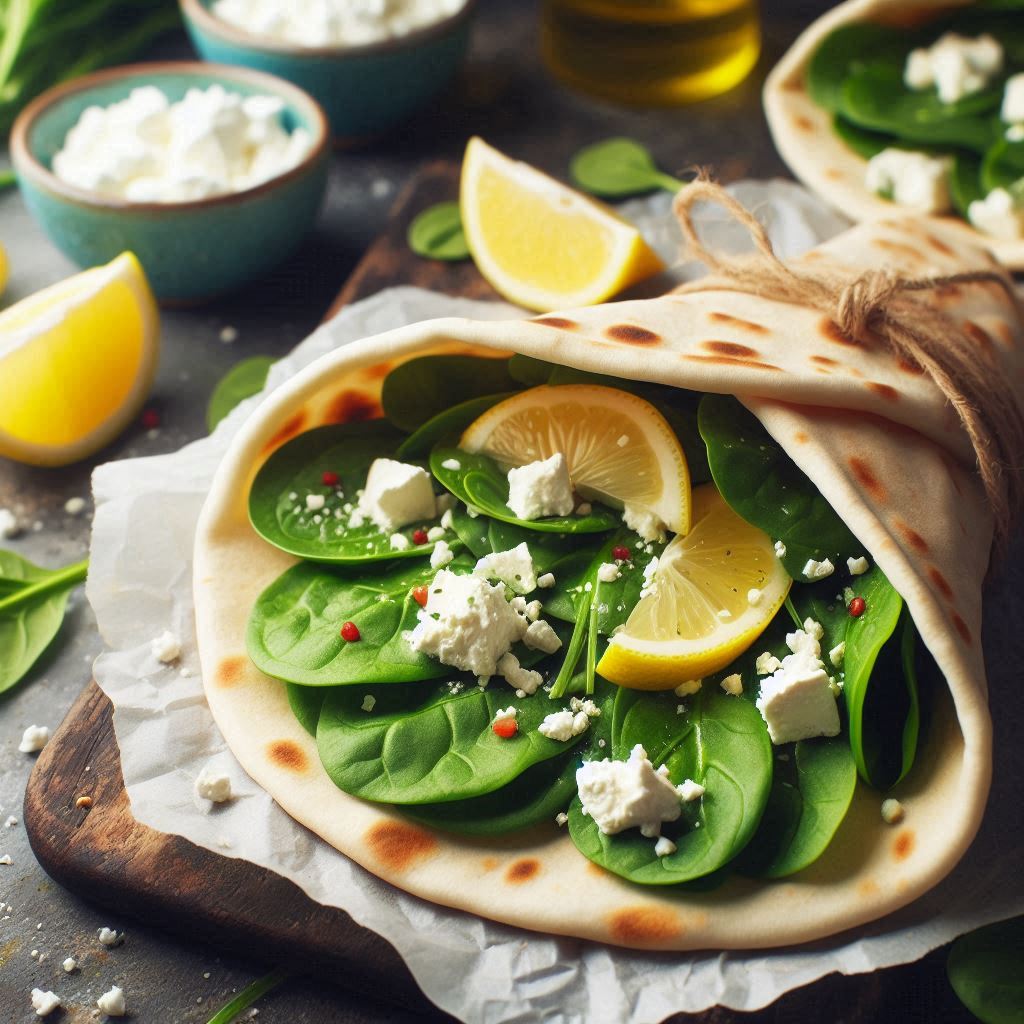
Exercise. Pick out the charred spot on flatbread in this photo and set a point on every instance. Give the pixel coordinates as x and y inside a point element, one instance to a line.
<point>903,844</point>
<point>351,406</point>
<point>912,537</point>
<point>961,627</point>
<point>398,845</point>
<point>560,322</point>
<point>288,754</point>
<point>886,391</point>
<point>831,331</point>
<point>632,334</point>
<point>639,926</point>
<point>231,671</point>
<point>731,348</point>
<point>738,322</point>
<point>754,364</point>
<point>865,476</point>
<point>979,335</point>
<point>291,427</point>
<point>523,870</point>
<point>940,582</point>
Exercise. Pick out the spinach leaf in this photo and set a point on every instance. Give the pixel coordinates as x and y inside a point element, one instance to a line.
<point>965,183</point>
<point>33,602</point>
<point>419,389</point>
<point>764,486</point>
<point>616,168</point>
<point>721,742</point>
<point>1003,167</point>
<point>294,627</point>
<point>863,141</point>
<point>426,744</point>
<point>984,968</point>
<point>530,371</point>
<point>480,482</point>
<point>437,234</point>
<point>277,501</point>
<point>306,703</point>
<point>844,52</point>
<point>242,381</point>
<point>446,424</point>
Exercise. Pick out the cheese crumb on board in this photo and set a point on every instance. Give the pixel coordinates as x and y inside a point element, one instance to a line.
<point>33,739</point>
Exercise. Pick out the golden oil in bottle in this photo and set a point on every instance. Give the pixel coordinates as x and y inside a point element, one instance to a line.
<point>657,52</point>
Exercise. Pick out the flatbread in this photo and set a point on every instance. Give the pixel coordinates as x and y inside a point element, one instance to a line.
<point>803,132</point>
<point>873,435</point>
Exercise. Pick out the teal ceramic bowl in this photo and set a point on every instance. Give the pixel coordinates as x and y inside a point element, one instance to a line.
<point>365,90</point>
<point>191,251</point>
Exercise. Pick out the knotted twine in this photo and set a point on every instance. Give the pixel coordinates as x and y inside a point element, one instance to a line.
<point>879,305</point>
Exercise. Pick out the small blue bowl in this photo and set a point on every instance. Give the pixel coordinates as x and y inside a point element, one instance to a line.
<point>366,89</point>
<point>191,251</point>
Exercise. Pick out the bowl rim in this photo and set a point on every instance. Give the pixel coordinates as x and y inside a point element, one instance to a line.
<point>28,165</point>
<point>196,11</point>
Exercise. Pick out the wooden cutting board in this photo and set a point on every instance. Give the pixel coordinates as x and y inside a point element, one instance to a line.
<point>102,853</point>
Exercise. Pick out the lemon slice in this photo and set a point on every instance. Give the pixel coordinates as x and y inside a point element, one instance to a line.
<point>540,243</point>
<point>3,269</point>
<point>76,361</point>
<point>697,615</point>
<point>619,449</point>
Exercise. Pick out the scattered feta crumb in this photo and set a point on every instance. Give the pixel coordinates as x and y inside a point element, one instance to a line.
<point>9,525</point>
<point>911,179</point>
<point>315,502</point>
<point>441,555</point>
<point>399,542</point>
<point>687,689</point>
<point>644,522</point>
<point>780,549</point>
<point>690,790</point>
<point>110,936</point>
<point>564,725</point>
<point>1012,110</point>
<point>229,334</point>
<point>447,520</point>
<point>623,440</point>
<point>33,739</point>
<point>396,494</point>
<point>44,1003</point>
<point>650,576</point>
<point>541,488</point>
<point>513,567</point>
<point>539,636</point>
<point>503,715</point>
<point>532,610</point>
<point>837,653</point>
<point>6,859</point>
<point>435,533</point>
<point>213,786</point>
<point>754,597</point>
<point>561,818</point>
<point>523,680</point>
<point>166,647</point>
<point>892,811</point>
<point>112,1003</point>
<point>766,664</point>
<point>74,506</point>
<point>955,65</point>
<point>453,464</point>
<point>1000,214</point>
<point>733,684</point>
<point>815,570</point>
<point>664,846</point>
<point>11,821</point>
<point>368,702</point>
<point>858,566</point>
<point>546,580</point>
<point>608,572</point>
<point>69,964</point>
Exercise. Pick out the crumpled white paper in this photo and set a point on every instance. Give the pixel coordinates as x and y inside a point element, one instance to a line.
<point>140,584</point>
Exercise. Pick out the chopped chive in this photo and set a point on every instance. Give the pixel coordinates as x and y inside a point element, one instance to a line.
<point>592,642</point>
<point>793,613</point>
<point>249,995</point>
<point>579,633</point>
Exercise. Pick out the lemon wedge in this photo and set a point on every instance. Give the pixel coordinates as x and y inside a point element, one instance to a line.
<point>76,361</point>
<point>712,595</point>
<point>619,449</point>
<point>4,269</point>
<point>540,243</point>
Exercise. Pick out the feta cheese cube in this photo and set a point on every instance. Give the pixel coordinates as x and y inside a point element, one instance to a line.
<point>998,215</point>
<point>532,610</point>
<point>766,664</point>
<point>109,936</point>
<point>33,739</point>
<point>815,570</point>
<point>1013,99</point>
<point>664,846</point>
<point>315,502</point>
<point>435,533</point>
<point>44,1003</point>
<point>561,818</point>
<point>399,542</point>
<point>911,179</point>
<point>513,567</point>
<point>69,964</point>
<point>213,786</point>
<point>541,488</point>
<point>397,494</point>
<point>519,678</point>
<point>112,1002</point>
<point>539,636</point>
<point>369,702</point>
<point>608,572</point>
<point>858,566</point>
<point>733,684</point>
<point>441,555</point>
<point>546,581</point>
<point>956,65</point>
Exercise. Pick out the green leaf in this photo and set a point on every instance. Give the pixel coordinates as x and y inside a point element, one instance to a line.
<point>984,968</point>
<point>844,52</point>
<point>8,179</point>
<point>294,627</point>
<point>721,742</point>
<point>766,488</point>
<point>1003,167</point>
<point>965,183</point>
<point>437,233</point>
<point>863,141</point>
<point>481,483</point>
<point>420,389</point>
<point>33,602</point>
<point>447,424</point>
<point>617,168</point>
<point>306,703</point>
<point>242,381</point>
<point>277,500</point>
<point>256,990</point>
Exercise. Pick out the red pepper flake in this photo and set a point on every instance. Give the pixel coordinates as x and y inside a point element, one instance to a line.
<point>506,728</point>
<point>621,554</point>
<point>150,419</point>
<point>350,632</point>
<point>330,479</point>
<point>419,536</point>
<point>419,595</point>
<point>857,607</point>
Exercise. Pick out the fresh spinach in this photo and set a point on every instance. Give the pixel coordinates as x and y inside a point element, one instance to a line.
<point>436,233</point>
<point>719,741</point>
<point>242,381</point>
<point>530,371</point>
<point>277,500</point>
<point>1003,167</point>
<point>481,483</point>
<point>33,602</point>
<point>965,183</point>
<point>863,141</point>
<point>984,968</point>
<point>420,389</point>
<point>617,168</point>
<point>843,53</point>
<point>447,424</point>
<point>306,703</point>
<point>766,488</point>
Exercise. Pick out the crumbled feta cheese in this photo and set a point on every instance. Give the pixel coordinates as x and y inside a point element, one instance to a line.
<point>815,570</point>
<point>690,687</point>
<point>368,702</point>
<point>780,549</point>
<point>733,684</point>
<point>546,580</point>
<point>69,964</point>
<point>441,555</point>
<point>766,664</point>
<point>1013,99</point>
<point>397,494</point>
<point>11,821</point>
<point>998,214</point>
<point>564,725</point>
<point>44,1002</point>
<point>956,65</point>
<point>539,636</point>
<point>523,680</point>
<point>33,739</point>
<point>754,597</point>
<point>608,572</point>
<point>435,533</point>
<point>586,705</point>
<point>112,1002</point>
<point>229,335</point>
<point>796,701</point>
<point>623,440</point>
<point>532,610</point>
<point>837,653</point>
<point>74,506</point>
<point>628,794</point>
<point>109,936</point>
<point>503,715</point>
<point>644,522</point>
<point>650,576</point>
<point>892,811</point>
<point>561,818</point>
<point>513,567</point>
<point>724,614</point>
<point>664,846</point>
<point>453,464</point>
<point>6,860</point>
<point>690,790</point>
<point>911,179</point>
<point>858,566</point>
<point>447,520</point>
<point>467,623</point>
<point>541,488</point>
<point>9,525</point>
<point>315,502</point>
<point>214,786</point>
<point>399,542</point>
<point>166,647</point>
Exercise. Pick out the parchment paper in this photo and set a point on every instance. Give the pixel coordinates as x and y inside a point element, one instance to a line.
<point>140,584</point>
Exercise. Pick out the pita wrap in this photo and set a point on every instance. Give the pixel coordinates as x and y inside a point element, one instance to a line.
<point>873,435</point>
<point>816,155</point>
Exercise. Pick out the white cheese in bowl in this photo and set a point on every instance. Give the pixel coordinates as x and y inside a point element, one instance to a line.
<point>147,149</point>
<point>328,23</point>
